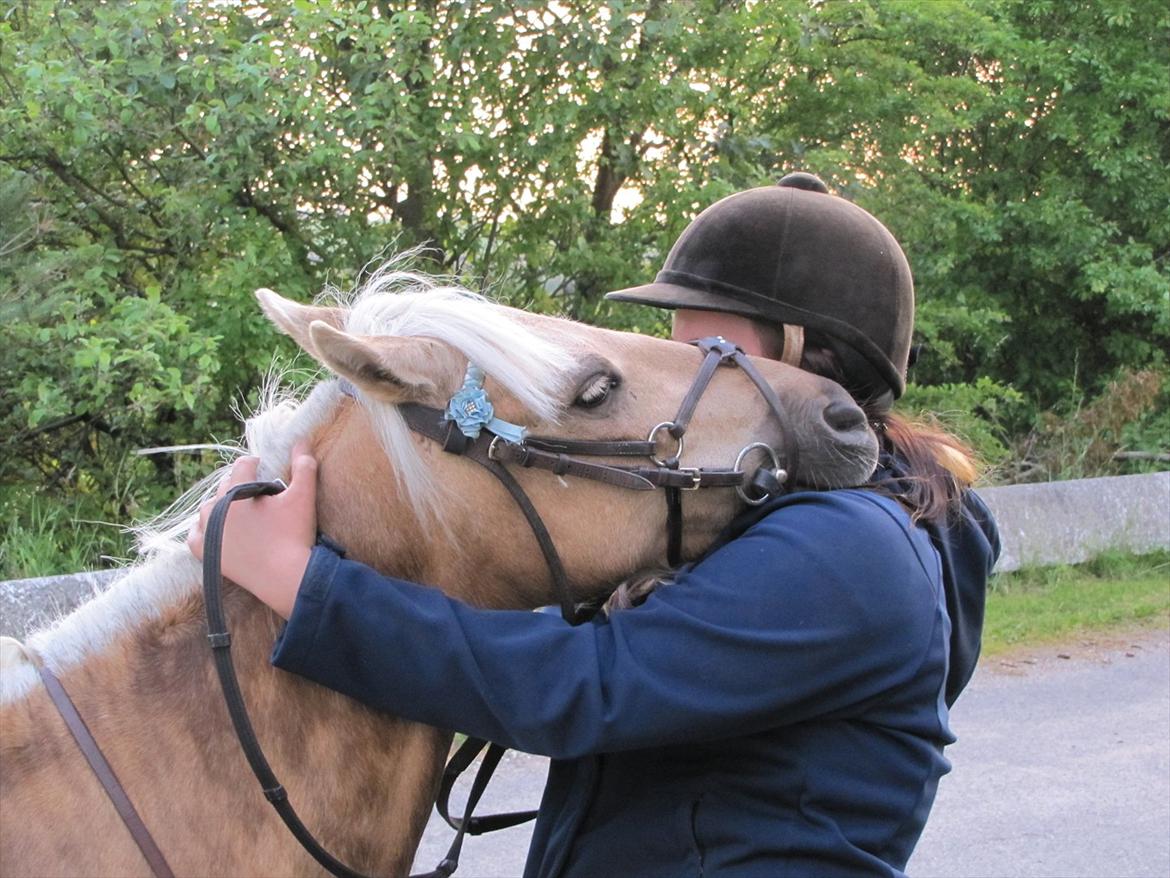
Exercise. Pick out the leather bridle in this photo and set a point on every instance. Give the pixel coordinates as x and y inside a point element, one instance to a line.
<point>102,770</point>
<point>563,457</point>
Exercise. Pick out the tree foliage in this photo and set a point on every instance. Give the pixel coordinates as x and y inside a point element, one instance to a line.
<point>160,159</point>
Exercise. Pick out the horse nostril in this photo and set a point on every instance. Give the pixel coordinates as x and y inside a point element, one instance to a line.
<point>843,416</point>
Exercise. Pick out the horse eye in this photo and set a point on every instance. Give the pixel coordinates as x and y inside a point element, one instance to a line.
<point>596,390</point>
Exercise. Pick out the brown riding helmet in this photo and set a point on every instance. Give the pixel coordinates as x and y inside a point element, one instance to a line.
<point>792,254</point>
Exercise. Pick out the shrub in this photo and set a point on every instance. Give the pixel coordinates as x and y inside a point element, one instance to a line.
<point>1099,437</point>
<point>984,414</point>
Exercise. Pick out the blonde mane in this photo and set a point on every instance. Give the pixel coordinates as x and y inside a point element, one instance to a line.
<point>391,302</point>
<point>407,304</point>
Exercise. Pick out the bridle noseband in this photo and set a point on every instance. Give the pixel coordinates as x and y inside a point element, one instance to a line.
<point>494,449</point>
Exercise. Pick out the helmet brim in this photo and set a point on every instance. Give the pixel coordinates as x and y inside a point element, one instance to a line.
<point>675,296</point>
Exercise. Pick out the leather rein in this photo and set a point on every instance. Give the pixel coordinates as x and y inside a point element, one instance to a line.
<point>559,456</point>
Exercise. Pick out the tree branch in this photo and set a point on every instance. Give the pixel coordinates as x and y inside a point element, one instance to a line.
<point>51,427</point>
<point>1158,456</point>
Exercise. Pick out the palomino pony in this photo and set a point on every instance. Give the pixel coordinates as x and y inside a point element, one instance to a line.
<point>136,661</point>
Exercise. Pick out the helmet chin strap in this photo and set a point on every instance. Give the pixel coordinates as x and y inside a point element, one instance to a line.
<point>793,345</point>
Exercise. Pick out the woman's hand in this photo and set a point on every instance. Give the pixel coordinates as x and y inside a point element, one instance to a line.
<point>267,540</point>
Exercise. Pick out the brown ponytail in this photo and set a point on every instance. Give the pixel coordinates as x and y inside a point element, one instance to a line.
<point>936,467</point>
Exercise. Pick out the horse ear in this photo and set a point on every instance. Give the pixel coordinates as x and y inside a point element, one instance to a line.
<point>391,368</point>
<point>293,318</point>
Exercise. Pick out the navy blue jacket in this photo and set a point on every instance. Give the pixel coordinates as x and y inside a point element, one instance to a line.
<point>779,710</point>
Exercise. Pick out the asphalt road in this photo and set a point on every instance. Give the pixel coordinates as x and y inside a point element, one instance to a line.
<point>1062,769</point>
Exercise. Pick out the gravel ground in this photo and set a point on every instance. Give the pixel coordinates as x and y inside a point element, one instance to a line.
<point>1062,769</point>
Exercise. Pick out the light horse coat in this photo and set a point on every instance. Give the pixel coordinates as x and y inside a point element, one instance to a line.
<point>135,660</point>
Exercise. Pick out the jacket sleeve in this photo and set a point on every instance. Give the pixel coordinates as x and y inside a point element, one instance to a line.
<point>830,600</point>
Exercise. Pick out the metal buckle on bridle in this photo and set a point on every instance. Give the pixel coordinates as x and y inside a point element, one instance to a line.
<point>778,472</point>
<point>694,474</point>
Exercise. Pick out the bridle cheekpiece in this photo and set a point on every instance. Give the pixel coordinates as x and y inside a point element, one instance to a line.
<point>468,427</point>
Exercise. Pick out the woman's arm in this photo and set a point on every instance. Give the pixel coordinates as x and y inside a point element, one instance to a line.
<point>831,600</point>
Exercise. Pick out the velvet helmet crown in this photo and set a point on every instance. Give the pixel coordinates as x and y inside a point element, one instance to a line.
<point>792,254</point>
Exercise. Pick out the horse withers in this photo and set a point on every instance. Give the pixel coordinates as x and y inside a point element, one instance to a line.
<point>135,660</point>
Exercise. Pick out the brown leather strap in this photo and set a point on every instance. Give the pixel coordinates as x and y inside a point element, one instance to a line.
<point>105,774</point>
<point>635,478</point>
<point>429,422</point>
<point>674,526</point>
<point>564,465</point>
<point>691,478</point>
<point>716,352</point>
<point>790,448</point>
<point>598,447</point>
<point>544,539</point>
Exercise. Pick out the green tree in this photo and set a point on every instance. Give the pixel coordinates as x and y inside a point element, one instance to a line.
<point>159,160</point>
<point>1050,212</point>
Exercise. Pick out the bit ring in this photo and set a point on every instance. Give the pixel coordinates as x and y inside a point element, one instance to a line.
<point>673,460</point>
<point>777,471</point>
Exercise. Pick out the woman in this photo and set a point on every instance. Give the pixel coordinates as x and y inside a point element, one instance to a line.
<point>780,708</point>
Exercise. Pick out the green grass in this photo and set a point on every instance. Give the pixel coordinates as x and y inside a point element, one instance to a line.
<point>1051,604</point>
<point>41,540</point>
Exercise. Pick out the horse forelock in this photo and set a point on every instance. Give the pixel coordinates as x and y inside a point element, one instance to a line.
<point>400,303</point>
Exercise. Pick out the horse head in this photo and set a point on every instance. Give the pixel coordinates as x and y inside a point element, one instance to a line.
<point>398,502</point>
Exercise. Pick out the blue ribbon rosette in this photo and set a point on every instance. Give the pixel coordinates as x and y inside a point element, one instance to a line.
<point>471,410</point>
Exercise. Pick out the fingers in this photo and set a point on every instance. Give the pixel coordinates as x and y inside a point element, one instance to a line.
<point>195,540</point>
<point>303,470</point>
<point>296,506</point>
<point>243,470</point>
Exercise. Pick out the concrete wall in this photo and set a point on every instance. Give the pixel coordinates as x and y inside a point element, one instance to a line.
<point>1074,521</point>
<point>1045,524</point>
<point>29,604</point>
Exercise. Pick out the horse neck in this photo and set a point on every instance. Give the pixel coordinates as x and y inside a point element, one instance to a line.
<point>362,780</point>
<point>480,552</point>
